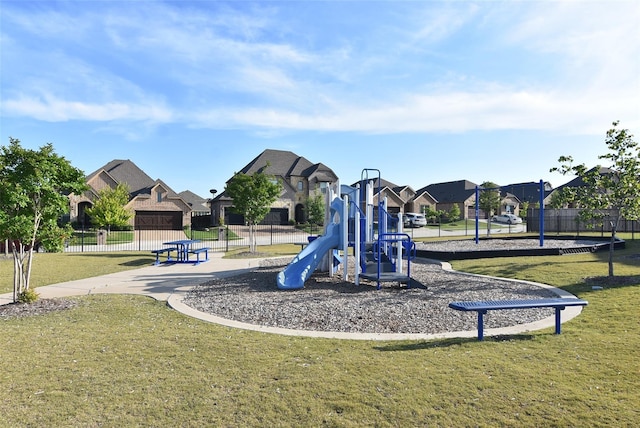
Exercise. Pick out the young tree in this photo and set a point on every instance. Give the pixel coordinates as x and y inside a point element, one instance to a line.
<point>609,193</point>
<point>108,210</point>
<point>252,197</point>
<point>454,213</point>
<point>314,207</point>
<point>33,189</point>
<point>524,207</point>
<point>489,200</point>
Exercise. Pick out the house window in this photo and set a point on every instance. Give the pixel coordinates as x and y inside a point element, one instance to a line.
<point>159,194</point>
<point>300,186</point>
<point>323,186</point>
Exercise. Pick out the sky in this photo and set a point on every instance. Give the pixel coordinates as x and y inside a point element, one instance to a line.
<point>424,91</point>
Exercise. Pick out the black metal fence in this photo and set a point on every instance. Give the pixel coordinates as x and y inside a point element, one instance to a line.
<point>216,238</point>
<point>567,221</point>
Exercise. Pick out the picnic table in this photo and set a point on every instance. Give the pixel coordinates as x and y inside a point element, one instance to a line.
<point>183,247</point>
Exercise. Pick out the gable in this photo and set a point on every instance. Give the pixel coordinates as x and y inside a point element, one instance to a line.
<point>125,171</point>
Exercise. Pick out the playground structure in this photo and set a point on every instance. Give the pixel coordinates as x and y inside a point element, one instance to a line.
<point>382,252</point>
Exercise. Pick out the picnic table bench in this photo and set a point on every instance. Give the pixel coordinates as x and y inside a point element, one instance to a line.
<point>199,251</point>
<point>481,307</point>
<point>162,251</point>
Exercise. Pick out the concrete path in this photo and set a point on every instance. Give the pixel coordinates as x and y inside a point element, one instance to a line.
<point>171,282</point>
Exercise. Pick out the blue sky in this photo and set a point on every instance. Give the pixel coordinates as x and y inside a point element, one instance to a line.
<point>425,91</point>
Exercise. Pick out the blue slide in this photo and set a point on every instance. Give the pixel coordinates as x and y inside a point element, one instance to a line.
<point>305,263</point>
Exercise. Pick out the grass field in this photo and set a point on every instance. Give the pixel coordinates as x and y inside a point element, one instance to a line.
<point>131,361</point>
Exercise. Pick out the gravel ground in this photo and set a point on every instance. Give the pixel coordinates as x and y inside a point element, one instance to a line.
<point>331,304</point>
<point>503,244</point>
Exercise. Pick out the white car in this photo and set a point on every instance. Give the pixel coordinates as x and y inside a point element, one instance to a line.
<point>506,218</point>
<point>414,220</point>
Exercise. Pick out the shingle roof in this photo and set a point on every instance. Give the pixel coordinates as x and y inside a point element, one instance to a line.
<point>286,164</point>
<point>125,171</point>
<point>525,192</point>
<point>452,191</point>
<point>196,202</point>
<point>277,162</point>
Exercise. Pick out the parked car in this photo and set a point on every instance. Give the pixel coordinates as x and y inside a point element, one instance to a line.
<point>414,220</point>
<point>506,218</point>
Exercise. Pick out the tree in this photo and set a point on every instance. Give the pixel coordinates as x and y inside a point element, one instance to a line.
<point>610,193</point>
<point>33,195</point>
<point>489,200</point>
<point>524,207</point>
<point>454,213</point>
<point>108,210</point>
<point>252,197</point>
<point>314,207</point>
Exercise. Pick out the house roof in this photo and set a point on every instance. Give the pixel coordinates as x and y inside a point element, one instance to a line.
<point>197,203</point>
<point>125,171</point>
<point>285,164</point>
<point>578,181</point>
<point>386,184</point>
<point>526,192</point>
<point>451,191</point>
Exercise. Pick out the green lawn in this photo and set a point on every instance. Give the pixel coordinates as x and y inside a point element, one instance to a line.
<point>91,238</point>
<point>130,361</point>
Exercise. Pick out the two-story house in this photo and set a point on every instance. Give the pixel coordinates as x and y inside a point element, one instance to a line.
<point>299,177</point>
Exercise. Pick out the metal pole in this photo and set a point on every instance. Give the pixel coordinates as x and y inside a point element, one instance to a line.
<point>477,215</point>
<point>541,213</point>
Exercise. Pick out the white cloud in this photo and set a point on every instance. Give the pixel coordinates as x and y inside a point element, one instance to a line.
<point>50,108</point>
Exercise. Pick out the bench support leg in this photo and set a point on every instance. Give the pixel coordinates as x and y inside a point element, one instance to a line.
<point>558,322</point>
<point>481,325</point>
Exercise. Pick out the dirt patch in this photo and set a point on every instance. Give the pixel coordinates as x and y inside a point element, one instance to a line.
<point>612,281</point>
<point>39,307</point>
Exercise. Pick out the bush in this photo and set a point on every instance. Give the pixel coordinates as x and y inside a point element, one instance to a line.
<point>28,296</point>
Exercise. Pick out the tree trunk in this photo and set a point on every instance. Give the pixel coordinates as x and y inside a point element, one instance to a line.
<point>252,238</point>
<point>612,247</point>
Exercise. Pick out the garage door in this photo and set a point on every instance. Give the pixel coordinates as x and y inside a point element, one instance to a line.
<point>158,220</point>
<point>279,216</point>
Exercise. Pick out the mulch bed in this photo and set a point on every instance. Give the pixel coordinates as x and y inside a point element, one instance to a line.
<point>39,307</point>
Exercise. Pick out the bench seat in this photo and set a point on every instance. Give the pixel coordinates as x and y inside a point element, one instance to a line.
<point>198,251</point>
<point>481,307</point>
<point>162,251</point>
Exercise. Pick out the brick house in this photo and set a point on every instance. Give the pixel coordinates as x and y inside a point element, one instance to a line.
<point>154,204</point>
<point>299,177</point>
<point>401,198</point>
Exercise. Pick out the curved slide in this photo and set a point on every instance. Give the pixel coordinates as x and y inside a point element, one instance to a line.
<point>305,263</point>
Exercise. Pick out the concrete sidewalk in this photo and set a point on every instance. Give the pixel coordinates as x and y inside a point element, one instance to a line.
<point>158,282</point>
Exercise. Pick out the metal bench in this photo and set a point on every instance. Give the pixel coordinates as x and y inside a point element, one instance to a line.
<point>482,307</point>
<point>162,251</point>
<point>199,251</point>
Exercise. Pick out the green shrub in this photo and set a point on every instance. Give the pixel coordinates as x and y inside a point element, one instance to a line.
<point>28,296</point>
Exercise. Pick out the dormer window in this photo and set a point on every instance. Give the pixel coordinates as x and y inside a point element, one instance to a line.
<point>159,194</point>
